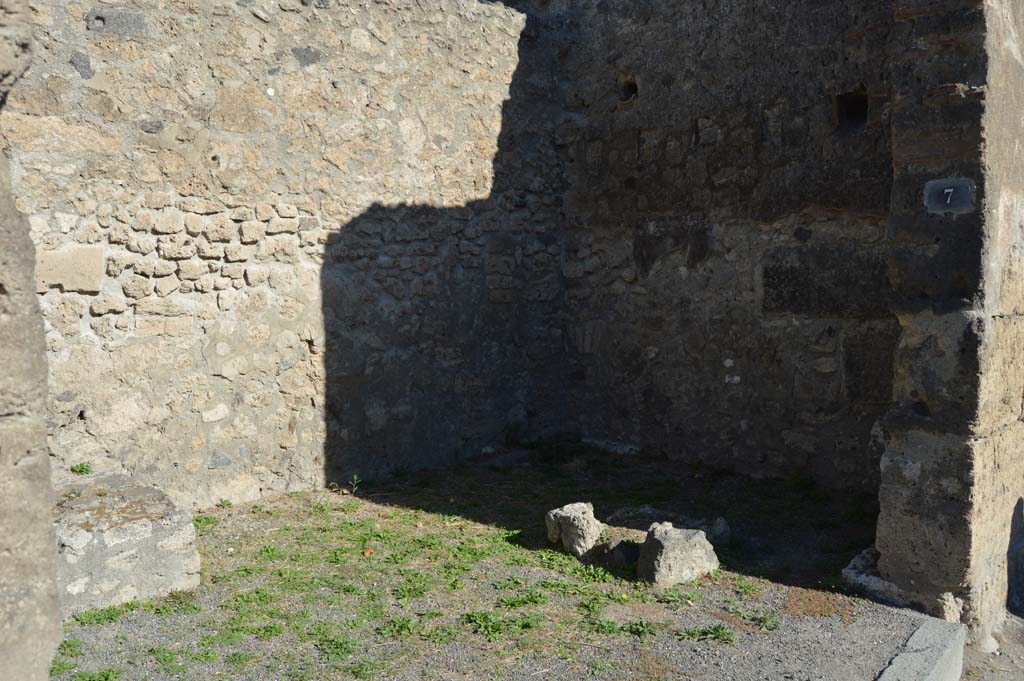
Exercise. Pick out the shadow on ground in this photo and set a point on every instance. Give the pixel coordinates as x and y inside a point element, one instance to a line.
<point>789,532</point>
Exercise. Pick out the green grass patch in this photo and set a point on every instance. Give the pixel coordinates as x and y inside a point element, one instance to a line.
<point>493,627</point>
<point>523,598</point>
<point>398,627</point>
<point>105,675</point>
<point>175,603</point>
<point>70,648</point>
<point>60,666</point>
<point>108,615</point>
<point>716,633</point>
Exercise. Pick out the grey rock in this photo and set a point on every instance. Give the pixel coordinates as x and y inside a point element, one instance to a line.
<point>119,540</point>
<point>575,527</point>
<point>117,22</point>
<point>82,64</point>
<point>307,55</point>
<point>671,556</point>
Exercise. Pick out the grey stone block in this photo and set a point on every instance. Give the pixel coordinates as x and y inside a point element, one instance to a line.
<point>575,526</point>
<point>935,652</point>
<point>119,540</point>
<point>671,556</point>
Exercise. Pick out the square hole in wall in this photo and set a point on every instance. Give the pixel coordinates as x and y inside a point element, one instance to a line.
<point>851,111</point>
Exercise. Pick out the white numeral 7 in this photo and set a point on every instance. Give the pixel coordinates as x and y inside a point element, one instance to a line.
<point>949,194</point>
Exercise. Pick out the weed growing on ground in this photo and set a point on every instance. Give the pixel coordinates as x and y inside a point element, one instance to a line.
<point>175,603</point>
<point>105,675</point>
<point>399,627</point>
<point>108,615</point>
<point>70,648</point>
<point>717,633</point>
<point>204,523</point>
<point>60,666</point>
<point>493,627</point>
<point>523,598</point>
<point>81,469</point>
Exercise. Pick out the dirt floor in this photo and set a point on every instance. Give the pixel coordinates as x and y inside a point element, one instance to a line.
<point>448,575</point>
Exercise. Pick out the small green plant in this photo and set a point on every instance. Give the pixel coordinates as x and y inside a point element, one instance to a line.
<point>168,660</point>
<point>108,615</point>
<point>415,586</point>
<point>61,666</point>
<point>81,469</point>
<point>271,552</point>
<point>204,523</point>
<point>510,583</point>
<point>238,659</point>
<point>767,621</point>
<point>676,598</point>
<point>718,633</point>
<point>399,627</point>
<point>603,626</point>
<point>639,628</point>
<point>354,483</point>
<point>105,675</point>
<point>202,656</point>
<point>445,633</point>
<point>70,648</point>
<point>335,647</point>
<point>365,669</point>
<point>745,586</point>
<point>522,598</point>
<point>493,627</point>
<point>224,503</point>
<point>175,603</point>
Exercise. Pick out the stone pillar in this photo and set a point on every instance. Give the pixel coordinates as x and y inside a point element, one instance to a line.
<point>29,626</point>
<point>952,471</point>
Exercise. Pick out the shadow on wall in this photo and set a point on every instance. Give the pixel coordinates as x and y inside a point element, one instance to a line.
<point>695,266</point>
<point>441,324</point>
<point>1015,562</point>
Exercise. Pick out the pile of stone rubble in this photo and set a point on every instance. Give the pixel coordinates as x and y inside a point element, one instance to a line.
<point>664,555</point>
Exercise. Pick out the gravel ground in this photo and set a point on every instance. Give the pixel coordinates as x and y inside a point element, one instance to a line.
<point>448,576</point>
<point>1005,665</point>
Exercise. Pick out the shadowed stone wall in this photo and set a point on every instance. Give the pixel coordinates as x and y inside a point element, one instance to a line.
<point>29,625</point>
<point>729,171</point>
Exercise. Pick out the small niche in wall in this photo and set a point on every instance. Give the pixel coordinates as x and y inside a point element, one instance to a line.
<point>851,111</point>
<point>628,89</point>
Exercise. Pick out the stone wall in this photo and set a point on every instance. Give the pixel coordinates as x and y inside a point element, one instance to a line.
<point>209,154</point>
<point>283,243</point>
<point>729,171</point>
<point>951,471</point>
<point>29,625</point>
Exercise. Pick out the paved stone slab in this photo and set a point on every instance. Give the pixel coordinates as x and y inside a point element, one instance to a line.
<point>935,652</point>
<point>119,540</point>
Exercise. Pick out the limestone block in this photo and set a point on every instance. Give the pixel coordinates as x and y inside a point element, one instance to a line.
<point>671,556</point>
<point>78,268</point>
<point>575,527</point>
<point>119,540</point>
<point>107,303</point>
